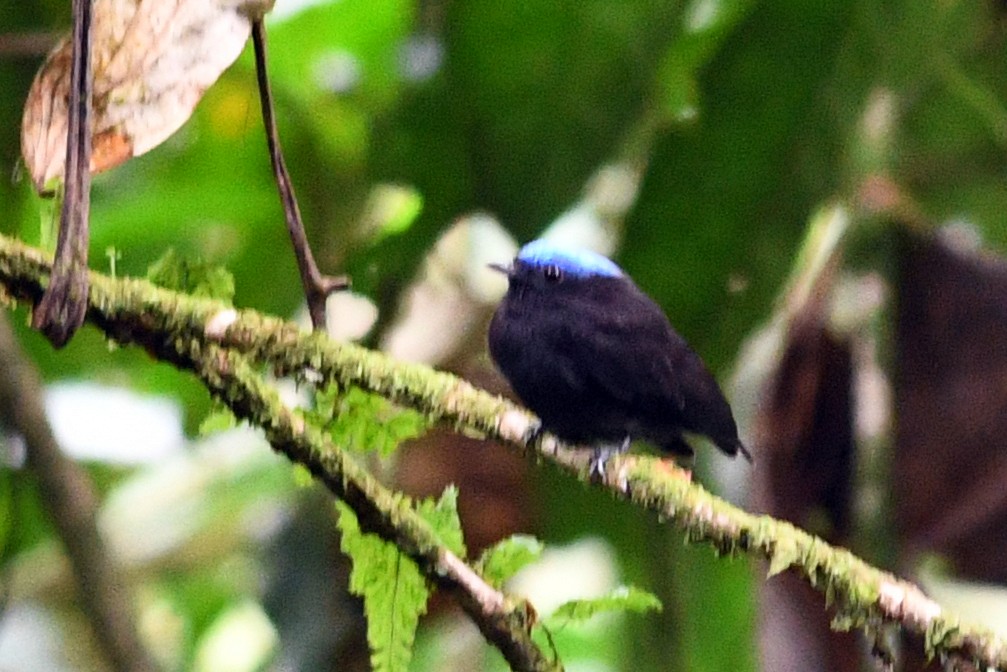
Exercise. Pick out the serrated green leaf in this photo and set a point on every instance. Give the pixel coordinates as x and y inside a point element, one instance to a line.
<point>623,598</point>
<point>394,592</point>
<point>217,420</point>
<point>364,422</point>
<point>198,278</point>
<point>505,558</point>
<point>443,517</point>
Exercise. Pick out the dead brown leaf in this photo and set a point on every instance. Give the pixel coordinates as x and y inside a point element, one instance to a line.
<point>153,60</point>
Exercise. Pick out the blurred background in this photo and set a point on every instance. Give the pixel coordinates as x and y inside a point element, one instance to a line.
<point>814,192</point>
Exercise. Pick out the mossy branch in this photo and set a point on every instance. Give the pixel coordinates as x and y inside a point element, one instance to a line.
<point>230,377</point>
<point>167,325</point>
<point>187,330</point>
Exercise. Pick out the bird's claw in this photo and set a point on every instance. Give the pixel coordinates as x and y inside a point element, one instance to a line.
<point>533,433</point>
<point>596,467</point>
<point>601,455</point>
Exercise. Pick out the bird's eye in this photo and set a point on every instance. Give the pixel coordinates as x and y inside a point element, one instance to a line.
<point>553,273</point>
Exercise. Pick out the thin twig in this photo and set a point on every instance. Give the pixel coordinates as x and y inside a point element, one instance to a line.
<point>317,287</point>
<point>69,496</point>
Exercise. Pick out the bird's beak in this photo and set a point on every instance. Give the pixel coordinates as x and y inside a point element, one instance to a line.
<point>501,268</point>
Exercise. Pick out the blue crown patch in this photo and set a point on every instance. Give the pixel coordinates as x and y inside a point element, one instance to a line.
<point>577,262</point>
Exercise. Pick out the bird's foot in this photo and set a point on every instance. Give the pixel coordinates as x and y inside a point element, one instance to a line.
<point>601,455</point>
<point>533,433</point>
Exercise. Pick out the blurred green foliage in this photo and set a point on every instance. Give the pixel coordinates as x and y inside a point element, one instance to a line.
<point>750,116</point>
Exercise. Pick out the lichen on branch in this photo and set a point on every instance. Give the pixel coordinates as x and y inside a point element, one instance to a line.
<point>863,596</point>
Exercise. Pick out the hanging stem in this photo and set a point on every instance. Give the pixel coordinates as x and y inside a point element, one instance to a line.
<point>61,311</point>
<point>317,287</point>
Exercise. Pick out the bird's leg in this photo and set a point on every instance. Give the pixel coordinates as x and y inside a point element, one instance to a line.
<point>533,433</point>
<point>596,467</point>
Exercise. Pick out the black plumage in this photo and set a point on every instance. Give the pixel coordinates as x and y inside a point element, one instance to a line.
<point>597,360</point>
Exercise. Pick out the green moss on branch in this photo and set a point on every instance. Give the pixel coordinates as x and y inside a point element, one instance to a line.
<point>864,596</point>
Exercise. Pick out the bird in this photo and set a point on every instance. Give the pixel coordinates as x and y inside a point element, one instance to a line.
<point>598,361</point>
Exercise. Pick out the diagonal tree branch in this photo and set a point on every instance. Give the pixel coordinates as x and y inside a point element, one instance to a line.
<point>68,494</point>
<point>505,622</point>
<point>864,596</point>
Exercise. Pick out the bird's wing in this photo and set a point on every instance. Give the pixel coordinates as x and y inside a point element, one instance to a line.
<point>628,349</point>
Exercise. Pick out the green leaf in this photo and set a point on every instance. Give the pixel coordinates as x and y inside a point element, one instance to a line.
<point>326,400</point>
<point>218,419</point>
<point>198,278</point>
<point>505,558</point>
<point>443,517</point>
<point>364,422</point>
<point>394,593</point>
<point>623,598</point>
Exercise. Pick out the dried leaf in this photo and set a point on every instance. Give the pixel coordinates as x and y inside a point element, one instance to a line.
<point>153,59</point>
<point>949,466</point>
